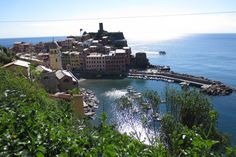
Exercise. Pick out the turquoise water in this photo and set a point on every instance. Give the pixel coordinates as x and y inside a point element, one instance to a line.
<point>208,55</point>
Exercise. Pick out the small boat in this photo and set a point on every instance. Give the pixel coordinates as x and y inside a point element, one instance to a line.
<point>156,116</point>
<point>137,95</point>
<point>170,81</point>
<point>89,113</point>
<point>162,52</point>
<point>164,68</point>
<point>135,110</point>
<point>158,119</point>
<point>163,101</point>
<point>129,88</point>
<point>146,106</point>
<point>184,85</point>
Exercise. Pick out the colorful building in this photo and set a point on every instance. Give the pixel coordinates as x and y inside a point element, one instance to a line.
<point>71,60</point>
<point>95,62</point>
<point>55,56</point>
<point>22,47</point>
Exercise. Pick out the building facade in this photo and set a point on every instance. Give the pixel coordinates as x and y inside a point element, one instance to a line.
<point>22,47</point>
<point>95,62</point>
<point>71,60</point>
<point>55,56</point>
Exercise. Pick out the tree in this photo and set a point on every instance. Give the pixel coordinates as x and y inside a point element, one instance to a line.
<point>5,55</point>
<point>193,110</point>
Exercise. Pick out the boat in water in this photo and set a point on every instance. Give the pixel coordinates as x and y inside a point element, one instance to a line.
<point>135,110</point>
<point>156,116</point>
<point>162,52</point>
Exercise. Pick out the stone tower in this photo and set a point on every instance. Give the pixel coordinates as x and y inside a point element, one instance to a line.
<point>101,27</point>
<point>55,56</point>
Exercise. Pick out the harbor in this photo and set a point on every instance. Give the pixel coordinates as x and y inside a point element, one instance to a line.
<point>142,106</point>
<point>206,85</point>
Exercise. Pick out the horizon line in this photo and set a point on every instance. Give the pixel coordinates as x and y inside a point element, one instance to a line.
<point>79,35</point>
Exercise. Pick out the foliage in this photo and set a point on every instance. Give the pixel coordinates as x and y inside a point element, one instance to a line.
<point>153,98</point>
<point>124,103</point>
<point>74,91</point>
<point>5,55</point>
<point>34,125</point>
<point>191,110</point>
<point>34,73</point>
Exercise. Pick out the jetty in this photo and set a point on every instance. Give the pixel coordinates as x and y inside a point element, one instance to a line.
<point>206,85</point>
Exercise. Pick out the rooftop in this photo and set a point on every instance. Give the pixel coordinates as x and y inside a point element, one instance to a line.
<point>61,73</point>
<point>71,53</point>
<point>120,51</point>
<point>31,59</point>
<point>19,63</point>
<point>43,68</point>
<point>53,45</point>
<point>95,55</point>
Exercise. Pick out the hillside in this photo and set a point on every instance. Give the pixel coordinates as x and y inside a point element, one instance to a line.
<point>34,125</point>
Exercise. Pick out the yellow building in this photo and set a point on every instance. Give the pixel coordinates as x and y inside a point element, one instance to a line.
<point>55,56</point>
<point>71,60</point>
<point>75,60</point>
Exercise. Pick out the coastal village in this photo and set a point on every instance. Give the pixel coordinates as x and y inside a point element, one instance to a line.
<point>101,54</point>
<point>61,63</point>
<point>91,54</point>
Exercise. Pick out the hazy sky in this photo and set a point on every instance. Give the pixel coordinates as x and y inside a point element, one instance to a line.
<point>135,28</point>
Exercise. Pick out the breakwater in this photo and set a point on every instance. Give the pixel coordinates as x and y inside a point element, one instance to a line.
<point>206,85</point>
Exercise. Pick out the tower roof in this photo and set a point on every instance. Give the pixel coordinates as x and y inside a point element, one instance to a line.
<point>53,45</point>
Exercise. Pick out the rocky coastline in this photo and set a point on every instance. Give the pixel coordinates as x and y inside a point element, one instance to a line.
<point>90,102</point>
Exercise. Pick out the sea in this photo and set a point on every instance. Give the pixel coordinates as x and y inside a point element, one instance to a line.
<point>209,55</point>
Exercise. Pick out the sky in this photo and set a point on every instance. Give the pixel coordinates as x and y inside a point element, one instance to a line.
<point>152,28</point>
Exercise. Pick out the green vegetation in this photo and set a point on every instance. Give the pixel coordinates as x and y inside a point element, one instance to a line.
<point>192,110</point>
<point>74,91</point>
<point>34,125</point>
<point>5,55</point>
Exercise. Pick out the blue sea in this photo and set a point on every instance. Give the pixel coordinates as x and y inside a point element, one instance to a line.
<point>8,42</point>
<point>208,55</point>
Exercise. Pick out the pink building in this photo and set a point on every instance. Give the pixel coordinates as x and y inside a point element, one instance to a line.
<point>22,47</point>
<point>95,62</point>
<point>128,54</point>
<point>116,61</point>
<point>82,58</point>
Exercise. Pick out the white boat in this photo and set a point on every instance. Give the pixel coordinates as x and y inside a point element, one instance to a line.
<point>156,116</point>
<point>89,113</point>
<point>135,110</point>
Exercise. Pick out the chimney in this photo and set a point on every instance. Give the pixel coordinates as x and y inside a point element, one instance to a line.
<point>78,105</point>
